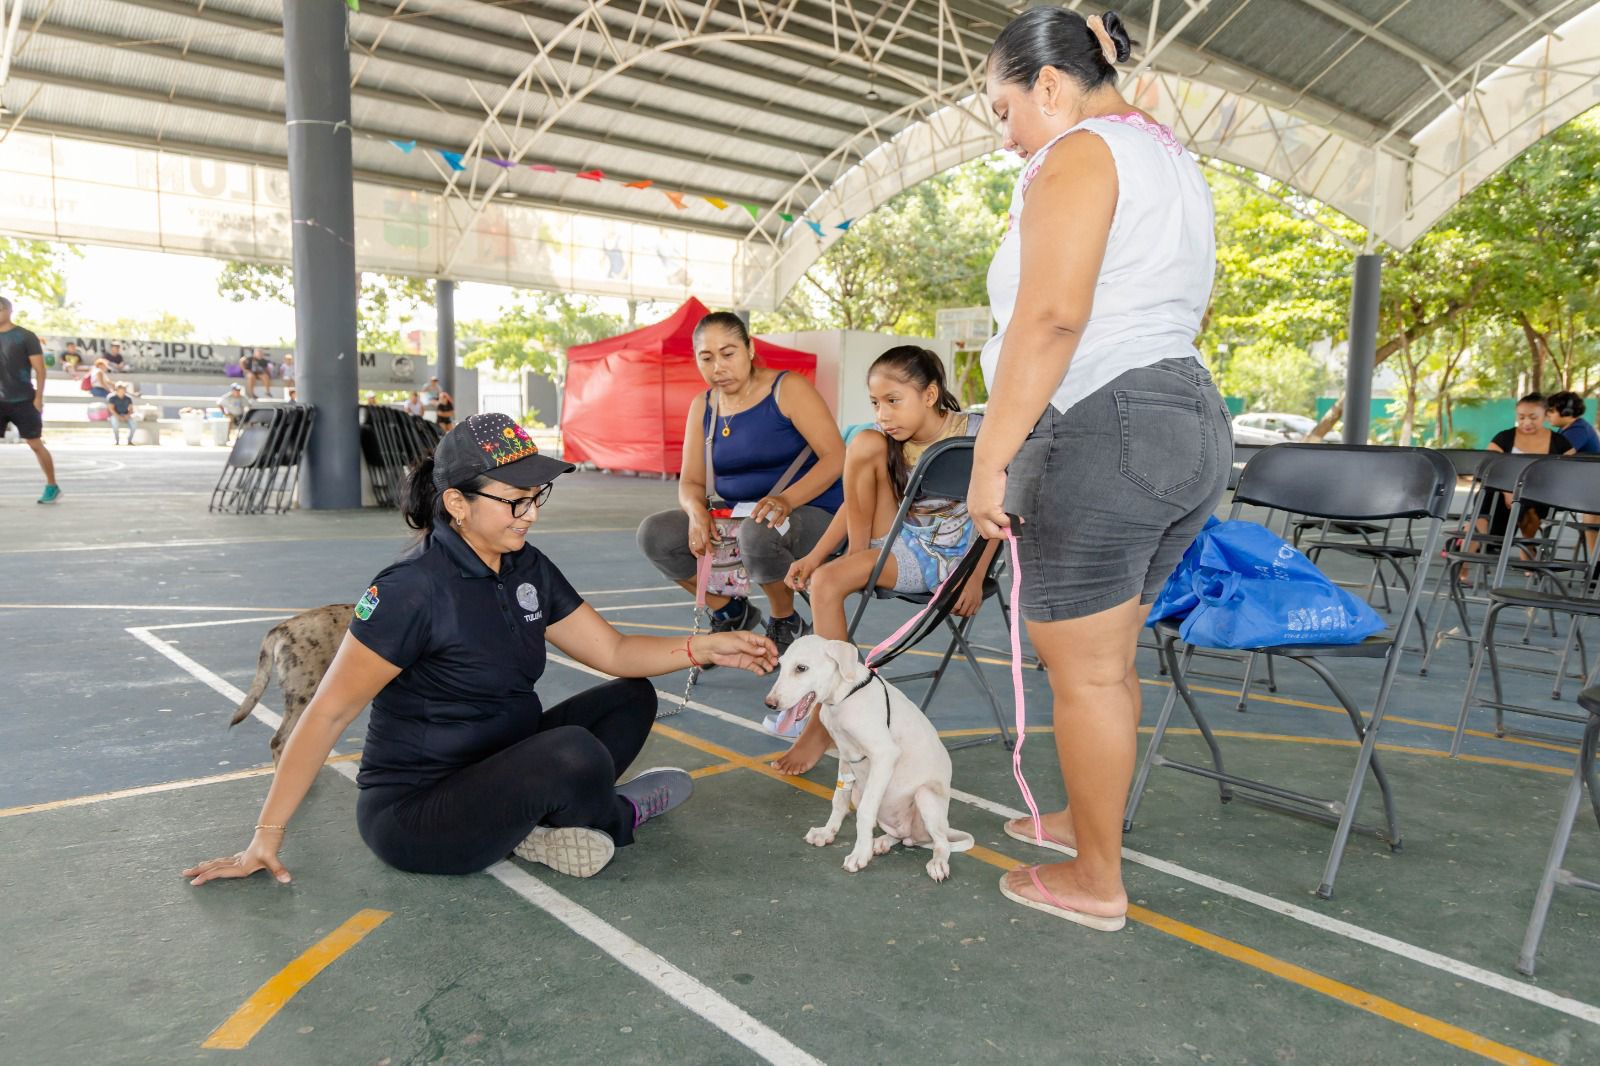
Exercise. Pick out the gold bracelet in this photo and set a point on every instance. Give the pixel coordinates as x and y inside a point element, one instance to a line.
<point>279,828</point>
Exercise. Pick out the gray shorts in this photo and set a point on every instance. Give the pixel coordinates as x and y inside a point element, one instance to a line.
<point>1112,493</point>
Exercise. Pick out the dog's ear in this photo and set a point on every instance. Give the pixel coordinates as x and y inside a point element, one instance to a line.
<point>847,658</point>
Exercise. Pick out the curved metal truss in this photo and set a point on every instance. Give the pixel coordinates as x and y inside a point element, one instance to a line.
<point>820,110</point>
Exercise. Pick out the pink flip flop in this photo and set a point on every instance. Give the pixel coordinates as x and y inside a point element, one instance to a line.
<point>1048,842</point>
<point>1059,909</point>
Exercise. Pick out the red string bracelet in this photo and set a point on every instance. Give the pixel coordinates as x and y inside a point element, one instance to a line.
<point>687,650</point>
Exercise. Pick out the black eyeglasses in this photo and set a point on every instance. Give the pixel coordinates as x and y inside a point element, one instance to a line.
<point>521,504</point>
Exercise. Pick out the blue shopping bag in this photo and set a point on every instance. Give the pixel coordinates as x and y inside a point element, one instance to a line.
<point>1241,586</point>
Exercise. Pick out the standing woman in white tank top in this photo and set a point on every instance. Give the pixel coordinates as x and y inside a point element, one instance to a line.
<point>1104,434</point>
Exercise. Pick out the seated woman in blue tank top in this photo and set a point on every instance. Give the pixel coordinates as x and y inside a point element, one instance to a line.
<point>764,419</point>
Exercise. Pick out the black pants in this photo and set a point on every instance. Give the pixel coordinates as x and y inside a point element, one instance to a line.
<point>563,775</point>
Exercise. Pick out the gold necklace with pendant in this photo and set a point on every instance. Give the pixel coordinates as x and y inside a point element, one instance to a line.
<point>727,430</point>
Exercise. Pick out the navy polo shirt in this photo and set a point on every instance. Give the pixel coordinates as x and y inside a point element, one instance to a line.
<point>470,647</point>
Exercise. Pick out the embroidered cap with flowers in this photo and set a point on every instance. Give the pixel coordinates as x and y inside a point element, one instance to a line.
<point>493,446</point>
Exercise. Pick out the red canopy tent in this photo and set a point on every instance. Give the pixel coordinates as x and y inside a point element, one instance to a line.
<point>626,397</point>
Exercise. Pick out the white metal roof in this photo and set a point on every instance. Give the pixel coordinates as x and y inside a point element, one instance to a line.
<point>820,110</point>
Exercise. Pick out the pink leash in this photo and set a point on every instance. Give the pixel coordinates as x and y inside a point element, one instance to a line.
<point>1016,674</point>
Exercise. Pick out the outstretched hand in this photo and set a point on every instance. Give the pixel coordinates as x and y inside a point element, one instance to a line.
<point>741,651</point>
<point>259,855</point>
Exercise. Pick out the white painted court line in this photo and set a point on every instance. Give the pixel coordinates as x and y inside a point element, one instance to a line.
<point>211,623</point>
<point>167,608</point>
<point>678,604</point>
<point>683,989</point>
<point>1573,1008</point>
<point>262,712</point>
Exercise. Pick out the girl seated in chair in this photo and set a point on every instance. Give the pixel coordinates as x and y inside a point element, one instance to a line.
<point>915,410</point>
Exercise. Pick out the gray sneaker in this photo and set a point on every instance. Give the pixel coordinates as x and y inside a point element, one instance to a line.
<point>655,792</point>
<point>572,850</point>
<point>785,631</point>
<point>750,619</point>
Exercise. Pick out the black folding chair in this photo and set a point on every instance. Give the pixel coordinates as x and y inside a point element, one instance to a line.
<point>1476,550</point>
<point>1344,483</point>
<point>1555,873</point>
<point>943,472</point>
<point>1558,586</point>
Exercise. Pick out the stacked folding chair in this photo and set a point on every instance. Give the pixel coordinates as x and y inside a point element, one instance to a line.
<point>1341,483</point>
<point>263,469</point>
<point>391,442</point>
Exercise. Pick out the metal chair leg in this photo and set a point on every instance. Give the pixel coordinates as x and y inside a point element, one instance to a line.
<point>1361,728</point>
<point>1581,776</point>
<point>1472,682</point>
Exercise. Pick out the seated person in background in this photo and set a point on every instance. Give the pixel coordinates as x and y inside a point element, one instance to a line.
<point>121,405</point>
<point>100,379</point>
<point>286,369</point>
<point>915,410</point>
<point>414,404</point>
<point>1530,436</point>
<point>445,411</point>
<point>257,370</point>
<point>1565,412</point>
<point>232,403</point>
<point>114,358</point>
<point>72,359</point>
<point>430,394</point>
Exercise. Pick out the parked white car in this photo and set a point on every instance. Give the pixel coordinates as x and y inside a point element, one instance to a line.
<point>1275,428</point>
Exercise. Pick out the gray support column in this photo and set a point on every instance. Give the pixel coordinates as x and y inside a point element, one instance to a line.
<point>444,302</point>
<point>316,77</point>
<point>1364,298</point>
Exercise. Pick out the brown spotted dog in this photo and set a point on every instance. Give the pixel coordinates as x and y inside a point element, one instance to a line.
<point>299,651</point>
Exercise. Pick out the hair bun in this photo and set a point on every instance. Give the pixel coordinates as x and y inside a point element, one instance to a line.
<point>1118,34</point>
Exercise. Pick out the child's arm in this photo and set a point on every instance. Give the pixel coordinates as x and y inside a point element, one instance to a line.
<point>971,597</point>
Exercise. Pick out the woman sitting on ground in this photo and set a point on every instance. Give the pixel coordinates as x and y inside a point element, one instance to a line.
<point>462,766</point>
<point>759,422</point>
<point>915,411</point>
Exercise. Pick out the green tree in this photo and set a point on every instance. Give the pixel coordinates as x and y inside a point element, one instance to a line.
<point>385,300</point>
<point>34,272</point>
<point>534,331</point>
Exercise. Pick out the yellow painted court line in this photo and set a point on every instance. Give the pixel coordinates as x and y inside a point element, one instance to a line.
<point>242,1026</point>
<point>1387,1009</point>
<point>149,790</point>
<point>713,771</point>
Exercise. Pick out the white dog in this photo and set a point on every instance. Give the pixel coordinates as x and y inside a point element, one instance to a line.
<point>892,767</point>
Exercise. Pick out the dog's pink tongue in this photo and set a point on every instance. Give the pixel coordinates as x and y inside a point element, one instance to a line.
<point>787,719</point>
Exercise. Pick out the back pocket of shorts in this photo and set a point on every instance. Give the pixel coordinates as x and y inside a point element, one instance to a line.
<point>1163,440</point>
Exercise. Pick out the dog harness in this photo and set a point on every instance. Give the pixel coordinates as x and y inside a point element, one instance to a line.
<point>869,679</point>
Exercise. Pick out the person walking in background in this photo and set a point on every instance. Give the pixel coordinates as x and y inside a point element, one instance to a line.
<point>21,400</point>
<point>121,405</point>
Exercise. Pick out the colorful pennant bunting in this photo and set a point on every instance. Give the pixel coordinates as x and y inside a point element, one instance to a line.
<point>457,162</point>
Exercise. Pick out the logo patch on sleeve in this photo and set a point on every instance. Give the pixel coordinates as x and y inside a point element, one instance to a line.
<point>367,604</point>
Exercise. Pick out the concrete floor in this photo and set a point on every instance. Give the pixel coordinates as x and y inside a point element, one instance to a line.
<point>133,618</point>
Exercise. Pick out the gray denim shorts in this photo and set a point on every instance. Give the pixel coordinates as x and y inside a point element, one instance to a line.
<point>1112,492</point>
